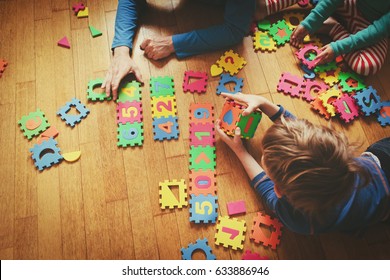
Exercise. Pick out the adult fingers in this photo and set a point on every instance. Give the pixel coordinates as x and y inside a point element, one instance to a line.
<point>144,44</point>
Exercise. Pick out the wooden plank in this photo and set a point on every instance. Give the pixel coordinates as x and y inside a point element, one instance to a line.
<point>60,5</point>
<point>42,9</point>
<point>110,5</point>
<point>26,238</point>
<point>7,254</point>
<point>167,237</point>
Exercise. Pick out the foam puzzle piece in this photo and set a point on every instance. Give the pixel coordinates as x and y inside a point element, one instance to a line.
<point>328,97</point>
<point>71,119</point>
<point>230,232</point>
<point>95,32</point>
<point>248,255</point>
<point>309,73</point>
<point>37,123</point>
<point>200,83</point>
<point>3,64</point>
<point>303,3</point>
<point>230,115</point>
<point>384,114</point>
<point>202,134</point>
<point>163,106</point>
<point>202,158</point>
<point>78,7</point>
<point>350,82</point>
<point>202,182</point>
<point>165,128</point>
<point>129,112</point>
<point>290,84</point>
<point>280,32</point>
<point>263,42</point>
<point>264,25</point>
<point>92,95</point>
<point>200,244</point>
<point>248,124</point>
<point>83,13</point>
<point>162,86</point>
<point>236,207</point>
<point>48,133</point>
<point>293,19</point>
<point>215,70</point>
<point>72,156</point>
<point>347,108</point>
<point>168,199</point>
<point>313,87</point>
<point>130,134</point>
<point>316,105</point>
<point>302,55</point>
<point>203,208</point>
<point>368,101</point>
<point>228,79</point>
<point>231,62</point>
<point>257,234</point>
<point>201,113</point>
<point>46,154</point>
<point>330,77</point>
<point>130,91</point>
<point>63,42</point>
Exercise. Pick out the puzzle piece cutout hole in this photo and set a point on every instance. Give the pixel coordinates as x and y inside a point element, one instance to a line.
<point>175,191</point>
<point>73,111</point>
<point>294,20</point>
<point>198,254</point>
<point>267,229</point>
<point>310,55</point>
<point>45,152</point>
<point>352,82</point>
<point>98,90</point>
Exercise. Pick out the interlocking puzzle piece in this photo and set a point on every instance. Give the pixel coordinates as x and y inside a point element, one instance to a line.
<point>302,55</point>
<point>3,64</point>
<point>368,100</point>
<point>384,114</point>
<point>280,32</point>
<point>130,134</point>
<point>162,86</point>
<point>316,105</point>
<point>165,128</point>
<point>215,70</point>
<point>200,83</point>
<point>129,112</point>
<point>290,84</point>
<point>228,79</point>
<point>236,207</point>
<point>46,154</point>
<point>200,244</point>
<point>83,13</point>
<point>92,95</point>
<point>346,107</point>
<point>248,124</point>
<point>315,87</point>
<point>72,156</point>
<point>309,73</point>
<point>230,232</point>
<point>203,208</point>
<point>64,43</point>
<point>231,62</point>
<point>163,106</point>
<point>248,255</point>
<point>258,235</point>
<point>293,19</point>
<point>48,133</point>
<point>202,182</point>
<point>168,199</point>
<point>129,92</point>
<point>264,25</point>
<point>71,119</point>
<point>202,134</point>
<point>263,42</point>
<point>350,82</point>
<point>78,7</point>
<point>201,113</point>
<point>328,97</point>
<point>33,124</point>
<point>230,115</point>
<point>94,31</point>
<point>330,77</point>
<point>202,158</point>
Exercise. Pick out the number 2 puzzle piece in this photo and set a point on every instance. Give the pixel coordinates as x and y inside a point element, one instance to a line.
<point>200,244</point>
<point>33,124</point>
<point>384,114</point>
<point>165,128</point>
<point>168,199</point>
<point>230,232</point>
<point>202,182</point>
<point>130,134</point>
<point>46,154</point>
<point>228,79</point>
<point>129,112</point>
<point>303,55</point>
<point>163,106</point>
<point>248,124</point>
<point>202,134</point>
<point>129,92</point>
<point>203,208</point>
<point>71,119</point>
<point>230,115</point>
<point>290,84</point>
<point>347,108</point>
<point>280,32</point>
<point>202,158</point>
<point>195,82</point>
<point>92,94</point>
<point>162,86</point>
<point>263,42</point>
<point>368,100</point>
<point>201,113</point>
<point>231,62</point>
<point>258,235</point>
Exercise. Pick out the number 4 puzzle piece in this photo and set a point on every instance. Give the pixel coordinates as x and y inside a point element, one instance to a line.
<point>257,234</point>
<point>230,232</point>
<point>168,199</point>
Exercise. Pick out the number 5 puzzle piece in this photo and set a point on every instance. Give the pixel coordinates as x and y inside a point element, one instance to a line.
<point>33,124</point>
<point>203,208</point>
<point>129,112</point>
<point>168,199</point>
<point>230,232</point>
<point>257,234</point>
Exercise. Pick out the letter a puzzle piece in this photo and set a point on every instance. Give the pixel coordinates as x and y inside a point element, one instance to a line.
<point>33,124</point>
<point>248,124</point>
<point>129,92</point>
<point>263,42</point>
<point>130,134</point>
<point>202,182</point>
<point>368,100</point>
<point>162,86</point>
<point>228,79</point>
<point>46,154</point>
<point>280,32</point>
<point>230,116</point>
<point>168,199</point>
<point>290,84</point>
<point>384,114</point>
<point>347,108</point>
<point>258,235</point>
<point>230,232</point>
<point>165,128</point>
<point>129,112</point>
<point>71,119</point>
<point>231,62</point>
<point>203,208</point>
<point>202,134</point>
<point>201,113</point>
<point>195,82</point>
<point>93,95</point>
<point>201,244</point>
<point>202,158</point>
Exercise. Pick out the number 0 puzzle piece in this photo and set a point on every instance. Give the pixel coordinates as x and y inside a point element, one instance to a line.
<point>195,82</point>
<point>368,100</point>
<point>258,235</point>
<point>231,62</point>
<point>230,232</point>
<point>248,124</point>
<point>200,244</point>
<point>202,182</point>
<point>168,199</point>
<point>33,124</point>
<point>46,154</point>
<point>203,208</point>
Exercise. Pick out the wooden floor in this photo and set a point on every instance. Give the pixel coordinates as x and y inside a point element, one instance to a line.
<point>106,205</point>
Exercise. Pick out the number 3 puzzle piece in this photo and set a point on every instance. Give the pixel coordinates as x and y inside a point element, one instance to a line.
<point>230,232</point>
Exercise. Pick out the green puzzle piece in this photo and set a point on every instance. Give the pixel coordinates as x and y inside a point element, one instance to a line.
<point>33,124</point>
<point>202,158</point>
<point>129,92</point>
<point>162,86</point>
<point>94,96</point>
<point>248,124</point>
<point>344,77</point>
<point>130,134</point>
<point>280,32</point>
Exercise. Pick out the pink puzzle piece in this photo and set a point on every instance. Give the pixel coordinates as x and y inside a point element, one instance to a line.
<point>301,55</point>
<point>199,84</point>
<point>236,207</point>
<point>347,108</point>
<point>248,255</point>
<point>313,87</point>
<point>78,7</point>
<point>290,84</point>
<point>64,43</point>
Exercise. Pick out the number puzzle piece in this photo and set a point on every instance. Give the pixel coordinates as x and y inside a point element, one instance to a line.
<point>202,182</point>
<point>248,124</point>
<point>203,208</point>
<point>236,207</point>
<point>315,87</point>
<point>303,53</point>
<point>130,134</point>
<point>248,255</point>
<point>129,112</point>
<point>202,134</point>
<point>165,128</point>
<point>83,13</point>
<point>46,154</point>
<point>350,82</point>
<point>263,42</point>
<point>384,114</point>
<point>280,32</point>
<point>93,95</point>
<point>33,124</point>
<point>368,100</point>
<point>231,62</point>
<point>230,232</point>
<point>328,97</point>
<point>3,64</point>
<point>228,79</point>
<point>200,244</point>
<point>316,105</point>
<point>78,7</point>
<point>290,84</point>
<point>293,19</point>
<point>168,199</point>
<point>129,92</point>
<point>346,107</point>
<point>71,119</point>
<point>258,235</point>
<point>163,106</point>
<point>202,158</point>
<point>161,86</point>
<point>200,83</point>
<point>230,116</point>
<point>201,113</point>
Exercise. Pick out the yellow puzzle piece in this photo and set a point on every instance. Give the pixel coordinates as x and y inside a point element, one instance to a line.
<point>72,156</point>
<point>168,199</point>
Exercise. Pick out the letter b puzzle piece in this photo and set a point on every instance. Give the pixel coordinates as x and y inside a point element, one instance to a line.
<point>168,199</point>
<point>129,112</point>
<point>33,124</point>
<point>46,154</point>
<point>260,237</point>
<point>203,208</point>
<point>130,134</point>
<point>230,232</point>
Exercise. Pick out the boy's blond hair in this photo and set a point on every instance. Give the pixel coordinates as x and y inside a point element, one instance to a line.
<point>312,166</point>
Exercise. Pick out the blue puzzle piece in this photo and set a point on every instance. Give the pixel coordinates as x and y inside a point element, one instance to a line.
<point>368,101</point>
<point>309,74</point>
<point>203,208</point>
<point>46,154</point>
<point>225,79</point>
<point>165,128</point>
<point>73,119</point>
<point>201,244</point>
<point>384,114</point>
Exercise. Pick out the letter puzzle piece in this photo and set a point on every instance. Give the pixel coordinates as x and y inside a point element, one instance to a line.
<point>230,115</point>
<point>201,113</point>
<point>258,235</point>
<point>316,105</point>
<point>290,84</point>
<point>200,244</point>
<point>195,82</point>
<point>203,208</point>
<point>129,92</point>
<point>350,82</point>
<point>163,106</point>
<point>248,124</point>
<point>264,25</point>
<point>202,182</point>
<point>236,207</point>
<point>313,87</point>
<point>263,42</point>
<point>309,73</point>
<point>94,32</point>
<point>202,158</point>
<point>3,64</point>
<point>33,124</point>
<point>129,112</point>
<point>202,134</point>
<point>92,94</point>
<point>347,108</point>
<point>162,86</point>
<point>231,62</point>
<point>228,79</point>
<point>167,197</point>
<point>71,119</point>
<point>130,134</point>
<point>328,97</point>
<point>78,7</point>
<point>368,100</point>
<point>384,114</point>
<point>248,255</point>
<point>165,128</point>
<point>303,55</point>
<point>280,32</point>
<point>230,232</point>
<point>293,19</point>
<point>46,154</point>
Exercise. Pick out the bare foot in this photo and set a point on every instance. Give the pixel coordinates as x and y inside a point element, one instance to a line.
<point>327,26</point>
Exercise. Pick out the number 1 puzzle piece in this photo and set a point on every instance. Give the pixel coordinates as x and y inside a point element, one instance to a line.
<point>168,199</point>
<point>231,62</point>
<point>33,124</point>
<point>203,208</point>
<point>248,124</point>
<point>202,134</point>
<point>195,82</point>
<point>46,154</point>
<point>280,32</point>
<point>258,235</point>
<point>368,100</point>
<point>230,232</point>
<point>201,244</point>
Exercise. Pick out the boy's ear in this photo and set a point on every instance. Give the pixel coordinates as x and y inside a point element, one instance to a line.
<point>277,192</point>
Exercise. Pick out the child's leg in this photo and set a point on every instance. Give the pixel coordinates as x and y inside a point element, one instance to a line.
<point>382,150</point>
<point>269,7</point>
<point>365,61</point>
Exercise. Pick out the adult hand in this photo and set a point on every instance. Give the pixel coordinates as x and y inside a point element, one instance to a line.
<point>158,48</point>
<point>327,55</point>
<point>235,142</point>
<point>121,65</point>
<point>251,101</point>
<point>297,36</point>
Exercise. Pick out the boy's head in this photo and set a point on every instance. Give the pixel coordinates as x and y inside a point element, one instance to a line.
<point>312,166</point>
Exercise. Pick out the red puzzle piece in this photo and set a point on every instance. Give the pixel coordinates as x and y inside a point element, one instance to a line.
<point>199,86</point>
<point>258,235</point>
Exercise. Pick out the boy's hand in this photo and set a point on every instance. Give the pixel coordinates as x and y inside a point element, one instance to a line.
<point>235,142</point>
<point>326,56</point>
<point>297,36</point>
<point>250,100</point>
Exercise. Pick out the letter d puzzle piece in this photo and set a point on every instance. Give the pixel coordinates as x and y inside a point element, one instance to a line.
<point>168,199</point>
<point>201,244</point>
<point>230,232</point>
<point>203,208</point>
<point>259,236</point>
<point>46,154</point>
<point>33,124</point>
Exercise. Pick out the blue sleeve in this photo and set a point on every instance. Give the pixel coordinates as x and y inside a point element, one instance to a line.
<point>237,20</point>
<point>264,188</point>
<point>286,114</point>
